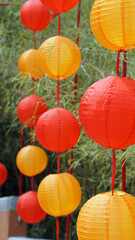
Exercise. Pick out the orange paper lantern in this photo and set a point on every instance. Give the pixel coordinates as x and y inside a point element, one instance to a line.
<point>107,112</point>
<point>29,209</point>
<point>57,130</point>
<point>60,6</point>
<point>59,194</point>
<point>59,57</point>
<point>30,109</point>
<point>112,23</point>
<point>3,174</point>
<point>35,15</point>
<point>31,160</point>
<point>107,216</point>
<point>28,64</point>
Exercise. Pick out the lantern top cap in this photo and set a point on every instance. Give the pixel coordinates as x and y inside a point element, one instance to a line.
<point>115,193</point>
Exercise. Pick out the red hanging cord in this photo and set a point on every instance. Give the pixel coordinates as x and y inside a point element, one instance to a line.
<point>74,102</point>
<point>113,170</point>
<point>124,72</point>
<point>59,24</point>
<point>123,172</point>
<point>58,162</point>
<point>57,228</point>
<point>35,42</point>
<point>118,63</point>
<point>32,141</point>
<point>58,93</point>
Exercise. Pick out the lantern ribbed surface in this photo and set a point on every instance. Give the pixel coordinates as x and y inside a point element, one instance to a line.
<point>3,173</point>
<point>31,160</point>
<point>29,209</point>
<point>112,22</point>
<point>59,57</point>
<point>58,130</point>
<point>28,64</point>
<point>60,6</point>
<point>107,216</point>
<point>30,109</point>
<point>107,112</point>
<point>59,194</point>
<point>35,15</point>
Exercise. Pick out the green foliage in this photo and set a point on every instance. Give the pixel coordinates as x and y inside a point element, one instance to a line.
<point>92,163</point>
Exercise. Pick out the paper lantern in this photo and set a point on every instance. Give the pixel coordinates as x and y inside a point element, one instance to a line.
<point>3,174</point>
<point>30,109</point>
<point>112,23</point>
<point>28,64</point>
<point>35,15</point>
<point>57,130</point>
<point>107,112</point>
<point>60,6</point>
<point>61,51</point>
<point>31,160</point>
<point>29,209</point>
<point>59,194</point>
<point>107,216</point>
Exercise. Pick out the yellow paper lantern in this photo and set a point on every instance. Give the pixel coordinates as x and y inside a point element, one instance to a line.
<point>113,23</point>
<point>28,64</point>
<point>59,194</point>
<point>59,57</point>
<point>31,160</point>
<point>107,217</point>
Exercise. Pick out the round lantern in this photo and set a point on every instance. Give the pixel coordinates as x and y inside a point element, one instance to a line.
<point>35,15</point>
<point>57,130</point>
<point>28,64</point>
<point>107,216</point>
<point>59,194</point>
<point>31,160</point>
<point>29,209</point>
<point>61,51</point>
<point>30,109</point>
<point>107,112</point>
<point>58,6</point>
<point>3,174</point>
<point>113,25</point>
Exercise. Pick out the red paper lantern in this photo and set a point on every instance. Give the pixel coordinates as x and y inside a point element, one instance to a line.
<point>107,112</point>
<point>29,209</point>
<point>3,174</point>
<point>35,15</point>
<point>57,130</point>
<point>30,109</point>
<point>60,6</point>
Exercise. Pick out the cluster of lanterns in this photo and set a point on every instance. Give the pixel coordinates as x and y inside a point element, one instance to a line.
<point>56,129</point>
<point>107,115</point>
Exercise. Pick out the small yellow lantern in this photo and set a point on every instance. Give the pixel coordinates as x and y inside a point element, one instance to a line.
<point>28,64</point>
<point>31,160</point>
<point>107,217</point>
<point>59,194</point>
<point>59,57</point>
<point>113,23</point>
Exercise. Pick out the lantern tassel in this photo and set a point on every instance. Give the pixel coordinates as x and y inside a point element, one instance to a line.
<point>113,170</point>
<point>57,228</point>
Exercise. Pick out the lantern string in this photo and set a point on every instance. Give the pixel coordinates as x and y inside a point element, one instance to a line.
<point>58,93</point>
<point>124,73</point>
<point>32,141</point>
<point>59,24</point>
<point>113,170</point>
<point>21,125</point>
<point>52,16</point>
<point>123,172</point>
<point>35,42</point>
<point>58,162</point>
<point>57,228</point>
<point>118,63</point>
<point>74,102</point>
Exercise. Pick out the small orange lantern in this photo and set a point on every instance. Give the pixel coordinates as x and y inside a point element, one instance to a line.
<point>107,216</point>
<point>59,57</point>
<point>113,23</point>
<point>31,160</point>
<point>28,64</point>
<point>59,194</point>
